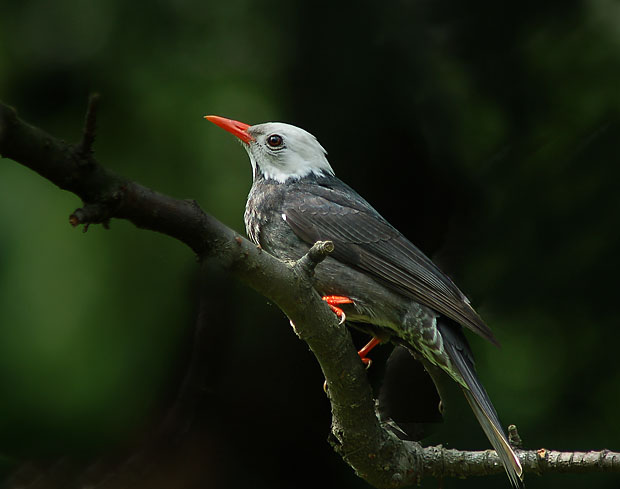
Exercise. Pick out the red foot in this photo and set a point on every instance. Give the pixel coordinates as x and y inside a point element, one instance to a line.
<point>364,351</point>
<point>332,300</point>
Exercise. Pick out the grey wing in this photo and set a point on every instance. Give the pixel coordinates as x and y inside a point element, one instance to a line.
<point>367,242</point>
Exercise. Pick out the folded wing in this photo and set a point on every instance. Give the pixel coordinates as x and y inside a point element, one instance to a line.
<point>367,242</point>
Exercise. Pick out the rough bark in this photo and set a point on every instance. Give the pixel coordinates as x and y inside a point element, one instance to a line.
<point>357,435</point>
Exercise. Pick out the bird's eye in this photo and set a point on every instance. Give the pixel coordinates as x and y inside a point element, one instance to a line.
<point>274,140</point>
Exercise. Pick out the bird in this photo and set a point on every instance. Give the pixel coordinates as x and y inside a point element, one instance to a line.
<point>375,277</point>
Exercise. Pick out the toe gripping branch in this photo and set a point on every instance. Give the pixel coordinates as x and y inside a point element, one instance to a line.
<point>333,301</point>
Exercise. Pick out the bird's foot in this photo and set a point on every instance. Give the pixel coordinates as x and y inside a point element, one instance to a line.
<point>366,349</point>
<point>333,301</point>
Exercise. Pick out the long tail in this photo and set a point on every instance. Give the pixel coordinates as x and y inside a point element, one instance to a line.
<point>456,346</point>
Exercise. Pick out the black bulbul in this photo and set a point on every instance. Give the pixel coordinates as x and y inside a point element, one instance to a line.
<point>375,276</point>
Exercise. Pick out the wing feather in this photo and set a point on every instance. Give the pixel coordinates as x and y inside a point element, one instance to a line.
<point>367,242</point>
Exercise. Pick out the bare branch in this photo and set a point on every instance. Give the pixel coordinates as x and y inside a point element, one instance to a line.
<point>440,462</point>
<point>375,453</point>
<point>88,138</point>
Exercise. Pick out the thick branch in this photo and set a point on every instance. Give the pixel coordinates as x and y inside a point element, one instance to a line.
<point>374,452</point>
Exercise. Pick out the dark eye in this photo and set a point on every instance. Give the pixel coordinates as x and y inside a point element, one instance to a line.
<point>274,140</point>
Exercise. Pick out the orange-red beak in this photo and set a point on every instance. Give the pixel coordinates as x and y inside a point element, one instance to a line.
<point>239,129</point>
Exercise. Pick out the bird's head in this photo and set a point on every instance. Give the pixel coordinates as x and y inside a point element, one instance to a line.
<point>278,151</point>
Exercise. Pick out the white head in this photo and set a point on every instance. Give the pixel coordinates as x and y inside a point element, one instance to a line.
<point>279,151</point>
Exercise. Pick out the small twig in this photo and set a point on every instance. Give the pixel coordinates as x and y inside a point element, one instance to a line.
<point>307,263</point>
<point>91,214</point>
<point>315,255</point>
<point>85,147</point>
<point>513,436</point>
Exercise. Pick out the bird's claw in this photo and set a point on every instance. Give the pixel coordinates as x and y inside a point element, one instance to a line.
<point>340,313</point>
<point>364,351</point>
<point>366,361</point>
<point>333,300</point>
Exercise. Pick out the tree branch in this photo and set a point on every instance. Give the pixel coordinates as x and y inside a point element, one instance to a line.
<point>373,452</point>
<point>90,125</point>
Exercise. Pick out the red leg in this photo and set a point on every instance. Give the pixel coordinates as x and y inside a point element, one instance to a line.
<point>333,301</point>
<point>366,349</point>
<point>362,353</point>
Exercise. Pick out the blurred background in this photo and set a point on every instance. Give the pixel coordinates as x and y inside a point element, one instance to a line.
<point>487,132</point>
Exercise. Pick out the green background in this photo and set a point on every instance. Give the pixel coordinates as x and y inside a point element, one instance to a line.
<point>487,132</point>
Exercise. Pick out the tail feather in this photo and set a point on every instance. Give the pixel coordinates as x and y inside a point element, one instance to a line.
<point>492,429</point>
<point>458,350</point>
